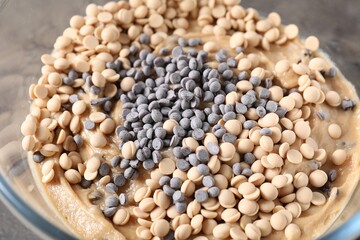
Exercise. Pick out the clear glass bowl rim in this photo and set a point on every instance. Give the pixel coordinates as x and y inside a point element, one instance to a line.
<point>28,216</point>
<point>47,230</point>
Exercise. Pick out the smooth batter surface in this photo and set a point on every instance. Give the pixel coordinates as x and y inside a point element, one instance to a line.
<point>87,221</point>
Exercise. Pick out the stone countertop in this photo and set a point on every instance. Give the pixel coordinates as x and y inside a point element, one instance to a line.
<point>335,23</point>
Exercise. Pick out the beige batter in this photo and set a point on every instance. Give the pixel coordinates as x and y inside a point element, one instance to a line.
<point>87,221</point>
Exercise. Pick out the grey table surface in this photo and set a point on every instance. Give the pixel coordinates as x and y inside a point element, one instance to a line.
<point>335,22</point>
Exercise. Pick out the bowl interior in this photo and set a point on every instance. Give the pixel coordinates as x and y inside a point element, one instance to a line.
<point>28,29</point>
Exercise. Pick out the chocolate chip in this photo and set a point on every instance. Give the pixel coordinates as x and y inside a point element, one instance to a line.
<point>213,148</point>
<point>180,207</point>
<point>214,191</point>
<point>203,169</point>
<point>201,195</point>
<point>175,183</point>
<point>178,196</point>
<point>208,181</point>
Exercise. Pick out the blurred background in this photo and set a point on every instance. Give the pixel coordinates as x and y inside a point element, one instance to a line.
<point>335,23</point>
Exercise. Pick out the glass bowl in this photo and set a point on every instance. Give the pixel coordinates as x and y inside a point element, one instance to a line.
<point>28,29</point>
